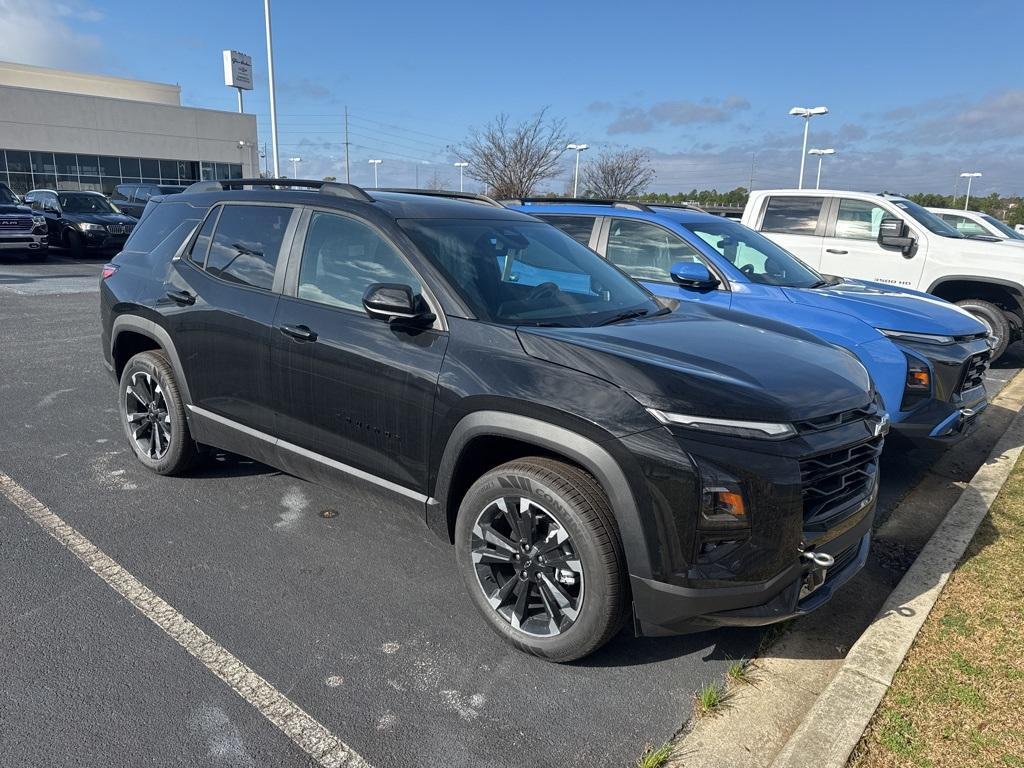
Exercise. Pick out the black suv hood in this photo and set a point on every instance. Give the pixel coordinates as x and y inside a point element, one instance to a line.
<point>713,362</point>
<point>8,208</point>
<point>99,218</point>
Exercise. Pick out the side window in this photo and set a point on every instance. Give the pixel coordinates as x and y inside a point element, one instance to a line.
<point>342,257</point>
<point>792,215</point>
<point>165,227</point>
<point>122,194</point>
<point>246,244</point>
<point>197,253</point>
<point>576,227</point>
<point>645,251</point>
<point>142,194</point>
<point>859,219</point>
<point>964,225</point>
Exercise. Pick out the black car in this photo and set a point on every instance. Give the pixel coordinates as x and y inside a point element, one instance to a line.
<point>22,232</point>
<point>81,221</point>
<point>594,455</point>
<point>132,198</point>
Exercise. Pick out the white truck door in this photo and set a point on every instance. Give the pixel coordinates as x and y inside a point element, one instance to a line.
<point>794,222</point>
<point>851,246</point>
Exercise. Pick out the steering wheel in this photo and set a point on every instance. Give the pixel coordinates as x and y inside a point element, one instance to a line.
<point>747,269</point>
<point>543,291</point>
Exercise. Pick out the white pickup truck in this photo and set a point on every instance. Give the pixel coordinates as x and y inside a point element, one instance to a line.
<point>889,239</point>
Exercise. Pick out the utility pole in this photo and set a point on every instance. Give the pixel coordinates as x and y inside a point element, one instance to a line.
<point>753,158</point>
<point>348,176</point>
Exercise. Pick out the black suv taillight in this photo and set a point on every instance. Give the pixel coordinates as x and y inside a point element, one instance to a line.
<point>108,270</point>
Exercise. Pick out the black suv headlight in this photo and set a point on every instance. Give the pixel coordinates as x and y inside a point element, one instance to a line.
<point>758,430</point>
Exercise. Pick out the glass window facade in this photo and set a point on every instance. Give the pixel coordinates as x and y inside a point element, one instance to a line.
<point>23,171</point>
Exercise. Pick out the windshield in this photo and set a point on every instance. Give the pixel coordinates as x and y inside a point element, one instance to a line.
<point>7,197</point>
<point>85,203</point>
<point>757,257</point>
<point>1003,228</point>
<point>927,219</point>
<point>527,273</point>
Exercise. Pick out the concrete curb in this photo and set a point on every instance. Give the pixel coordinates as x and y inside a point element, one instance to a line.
<point>837,720</point>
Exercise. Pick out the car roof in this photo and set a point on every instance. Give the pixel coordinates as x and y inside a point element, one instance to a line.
<point>647,211</point>
<point>956,211</point>
<point>793,192</point>
<point>395,203</point>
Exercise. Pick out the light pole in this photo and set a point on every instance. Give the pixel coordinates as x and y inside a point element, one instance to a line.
<point>970,177</point>
<point>820,153</point>
<point>295,166</point>
<point>460,166</point>
<point>806,113</point>
<point>273,97</point>
<point>576,176</point>
<point>375,164</point>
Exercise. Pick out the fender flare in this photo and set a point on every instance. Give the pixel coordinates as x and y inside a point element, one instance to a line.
<point>1015,288</point>
<point>589,454</point>
<point>158,334</point>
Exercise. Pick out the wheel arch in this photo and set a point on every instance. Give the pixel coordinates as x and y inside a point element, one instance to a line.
<point>130,335</point>
<point>463,459</point>
<point>1003,293</point>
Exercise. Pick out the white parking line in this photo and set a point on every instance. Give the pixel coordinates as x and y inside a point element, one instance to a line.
<point>308,734</point>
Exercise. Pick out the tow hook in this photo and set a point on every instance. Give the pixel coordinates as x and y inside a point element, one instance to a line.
<point>820,563</point>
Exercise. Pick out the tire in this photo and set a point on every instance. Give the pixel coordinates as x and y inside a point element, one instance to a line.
<point>172,451</point>
<point>569,611</point>
<point>75,243</point>
<point>994,319</point>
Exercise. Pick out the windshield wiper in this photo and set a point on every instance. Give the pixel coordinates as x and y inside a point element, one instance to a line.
<point>634,314</point>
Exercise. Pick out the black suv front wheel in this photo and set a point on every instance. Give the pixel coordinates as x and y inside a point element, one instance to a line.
<point>539,551</point>
<point>153,415</point>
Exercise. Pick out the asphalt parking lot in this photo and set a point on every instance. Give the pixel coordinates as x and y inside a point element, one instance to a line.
<point>359,618</point>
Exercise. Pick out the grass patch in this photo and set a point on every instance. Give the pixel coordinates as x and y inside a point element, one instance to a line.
<point>739,673</point>
<point>956,701</point>
<point>655,758</point>
<point>710,699</point>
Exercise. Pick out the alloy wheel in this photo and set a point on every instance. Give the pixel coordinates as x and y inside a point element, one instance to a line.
<point>527,566</point>
<point>146,412</point>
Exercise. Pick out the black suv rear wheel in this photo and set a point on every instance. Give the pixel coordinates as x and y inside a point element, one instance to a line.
<point>540,554</point>
<point>153,415</point>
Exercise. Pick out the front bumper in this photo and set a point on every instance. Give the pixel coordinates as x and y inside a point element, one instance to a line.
<point>103,241</point>
<point>667,609</point>
<point>32,242</point>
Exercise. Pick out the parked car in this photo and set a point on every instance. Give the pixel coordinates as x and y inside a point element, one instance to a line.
<point>593,455</point>
<point>889,239</point>
<point>81,221</point>
<point>927,357</point>
<point>978,224</point>
<point>132,198</point>
<point>22,232</point>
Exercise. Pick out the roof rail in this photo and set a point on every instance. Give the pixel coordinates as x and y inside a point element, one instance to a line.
<point>350,191</point>
<point>630,205</point>
<point>469,196</point>
<point>685,206</point>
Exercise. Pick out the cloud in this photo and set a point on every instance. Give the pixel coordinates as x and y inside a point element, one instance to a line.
<point>676,113</point>
<point>600,106</point>
<point>995,116</point>
<point>49,34</point>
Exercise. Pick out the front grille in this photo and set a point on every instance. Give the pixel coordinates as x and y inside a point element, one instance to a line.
<point>15,223</point>
<point>834,420</point>
<point>974,374</point>
<point>120,229</point>
<point>842,560</point>
<point>831,481</point>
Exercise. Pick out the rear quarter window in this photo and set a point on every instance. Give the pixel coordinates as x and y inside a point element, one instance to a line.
<point>792,215</point>
<point>163,229</point>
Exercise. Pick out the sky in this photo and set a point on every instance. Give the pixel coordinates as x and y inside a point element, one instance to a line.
<point>917,91</point>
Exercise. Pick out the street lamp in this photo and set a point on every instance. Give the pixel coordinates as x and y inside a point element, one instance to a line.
<point>273,98</point>
<point>806,113</point>
<point>295,166</point>
<point>375,164</point>
<point>460,166</point>
<point>820,153</point>
<point>970,177</point>
<point>576,176</point>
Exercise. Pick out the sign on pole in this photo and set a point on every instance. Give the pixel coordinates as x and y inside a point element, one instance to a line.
<point>238,70</point>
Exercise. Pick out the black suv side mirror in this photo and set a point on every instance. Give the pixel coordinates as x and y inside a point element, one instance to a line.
<point>693,274</point>
<point>396,303</point>
<point>894,233</point>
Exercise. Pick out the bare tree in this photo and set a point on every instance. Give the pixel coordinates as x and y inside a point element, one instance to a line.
<point>618,174</point>
<point>512,159</point>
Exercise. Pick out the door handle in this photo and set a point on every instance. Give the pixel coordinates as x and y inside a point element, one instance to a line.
<point>300,332</point>
<point>837,251</point>
<point>181,297</point>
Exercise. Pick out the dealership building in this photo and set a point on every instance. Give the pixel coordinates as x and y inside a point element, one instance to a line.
<point>67,130</point>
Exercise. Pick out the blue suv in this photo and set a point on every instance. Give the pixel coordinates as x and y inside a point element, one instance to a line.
<point>928,358</point>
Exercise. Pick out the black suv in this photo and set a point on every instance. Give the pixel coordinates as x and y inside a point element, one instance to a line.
<point>132,198</point>
<point>593,454</point>
<point>81,221</point>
